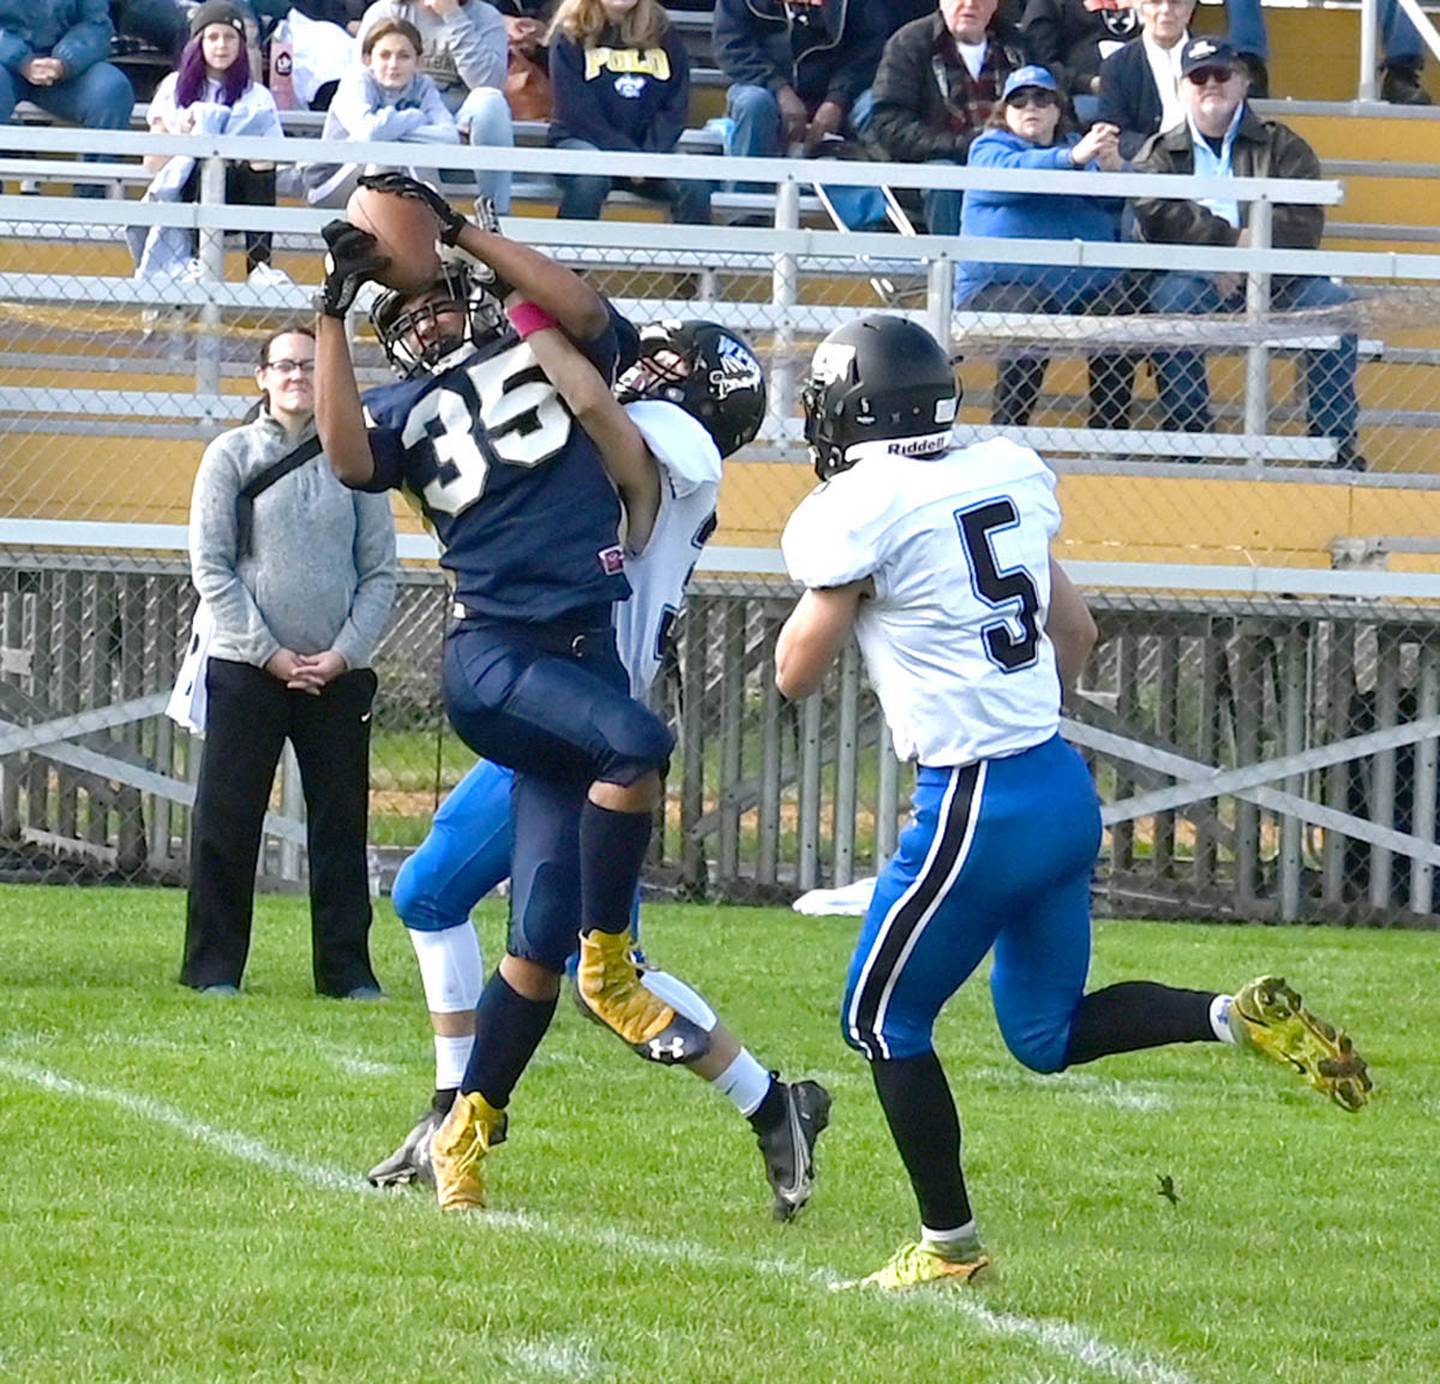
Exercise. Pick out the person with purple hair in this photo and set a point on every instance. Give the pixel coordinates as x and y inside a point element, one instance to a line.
<point>212,92</point>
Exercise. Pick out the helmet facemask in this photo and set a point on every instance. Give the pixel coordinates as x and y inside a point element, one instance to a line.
<point>399,326</point>
<point>706,370</point>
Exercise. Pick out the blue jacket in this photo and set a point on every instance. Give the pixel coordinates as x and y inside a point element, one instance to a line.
<point>826,52</point>
<point>78,32</point>
<point>619,97</point>
<point>1034,216</point>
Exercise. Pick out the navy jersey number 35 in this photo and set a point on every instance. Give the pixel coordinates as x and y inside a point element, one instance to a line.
<point>514,489</point>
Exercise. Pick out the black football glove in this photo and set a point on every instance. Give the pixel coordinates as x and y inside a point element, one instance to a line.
<point>450,221</point>
<point>350,261</point>
<point>486,219</point>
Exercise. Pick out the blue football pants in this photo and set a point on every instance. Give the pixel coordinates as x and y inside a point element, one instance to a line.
<point>999,854</point>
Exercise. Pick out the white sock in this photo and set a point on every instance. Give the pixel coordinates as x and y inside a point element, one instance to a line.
<point>952,1244</point>
<point>450,967</point>
<point>745,1081</point>
<point>1220,1018</point>
<point>451,1056</point>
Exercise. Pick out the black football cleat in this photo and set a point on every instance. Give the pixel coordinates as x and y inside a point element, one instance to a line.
<point>411,1162</point>
<point>789,1148</point>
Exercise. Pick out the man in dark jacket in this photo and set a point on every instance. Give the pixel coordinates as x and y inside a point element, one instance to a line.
<point>1223,138</point>
<point>939,79</point>
<point>53,52</point>
<point>800,70</point>
<point>1140,83</point>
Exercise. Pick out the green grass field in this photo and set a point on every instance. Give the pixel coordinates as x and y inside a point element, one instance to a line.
<point>182,1194</point>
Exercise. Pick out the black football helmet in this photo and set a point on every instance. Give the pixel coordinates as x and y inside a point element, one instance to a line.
<point>881,379</point>
<point>395,317</point>
<point>708,371</point>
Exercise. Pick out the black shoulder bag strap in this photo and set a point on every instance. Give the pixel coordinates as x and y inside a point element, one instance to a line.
<point>258,484</point>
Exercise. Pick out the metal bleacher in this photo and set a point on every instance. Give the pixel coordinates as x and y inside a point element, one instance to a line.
<point>786,292</point>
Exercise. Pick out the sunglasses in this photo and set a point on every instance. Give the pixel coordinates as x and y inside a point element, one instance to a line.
<point>1037,97</point>
<point>291,367</point>
<point>1202,76</point>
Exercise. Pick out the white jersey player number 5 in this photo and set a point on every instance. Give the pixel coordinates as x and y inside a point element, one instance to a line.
<point>508,397</point>
<point>1011,589</point>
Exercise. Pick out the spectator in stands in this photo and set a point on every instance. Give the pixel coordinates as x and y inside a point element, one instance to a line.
<point>620,77</point>
<point>1221,137</point>
<point>1026,131</point>
<point>901,12</point>
<point>938,82</point>
<point>211,93</point>
<point>1073,37</point>
<point>1404,58</point>
<point>52,52</point>
<point>800,71</point>
<point>388,99</point>
<point>1140,84</point>
<point>299,575</point>
<point>160,23</point>
<point>467,53</point>
<point>527,83</point>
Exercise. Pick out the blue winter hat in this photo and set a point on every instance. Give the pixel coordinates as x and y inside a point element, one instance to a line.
<point>1030,76</point>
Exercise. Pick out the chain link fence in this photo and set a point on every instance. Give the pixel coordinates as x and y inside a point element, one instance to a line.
<point>1267,607</point>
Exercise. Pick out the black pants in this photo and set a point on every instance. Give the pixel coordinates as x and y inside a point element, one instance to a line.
<point>250,716</point>
<point>244,187</point>
<point>1019,376</point>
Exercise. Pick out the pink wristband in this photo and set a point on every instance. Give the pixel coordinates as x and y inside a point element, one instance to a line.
<point>527,319</point>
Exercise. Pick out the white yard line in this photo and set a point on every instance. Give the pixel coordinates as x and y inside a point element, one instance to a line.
<point>563,1357</point>
<point>568,1357</point>
<point>1086,1087</point>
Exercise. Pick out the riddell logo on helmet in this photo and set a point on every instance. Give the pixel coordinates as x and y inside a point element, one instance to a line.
<point>917,446</point>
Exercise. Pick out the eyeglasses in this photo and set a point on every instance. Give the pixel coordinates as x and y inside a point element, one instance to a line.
<point>1037,97</point>
<point>291,367</point>
<point>1202,76</point>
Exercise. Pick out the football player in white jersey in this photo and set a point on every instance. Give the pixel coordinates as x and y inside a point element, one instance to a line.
<point>937,557</point>
<point>696,394</point>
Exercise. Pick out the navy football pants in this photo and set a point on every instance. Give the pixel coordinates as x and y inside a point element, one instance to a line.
<point>550,702</point>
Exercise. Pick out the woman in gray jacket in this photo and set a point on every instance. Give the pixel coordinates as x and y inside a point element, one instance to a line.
<point>299,579</point>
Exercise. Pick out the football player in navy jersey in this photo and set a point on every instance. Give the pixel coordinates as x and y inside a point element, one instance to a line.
<point>695,395</point>
<point>528,519</point>
<point>937,557</point>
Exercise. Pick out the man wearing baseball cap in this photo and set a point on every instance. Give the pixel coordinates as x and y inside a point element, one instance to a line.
<point>1221,137</point>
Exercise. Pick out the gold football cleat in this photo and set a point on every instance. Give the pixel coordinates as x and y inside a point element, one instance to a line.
<point>916,1264</point>
<point>610,987</point>
<point>1268,1017</point>
<point>471,1129</point>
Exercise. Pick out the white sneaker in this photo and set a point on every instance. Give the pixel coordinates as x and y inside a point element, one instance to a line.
<point>192,271</point>
<point>267,276</point>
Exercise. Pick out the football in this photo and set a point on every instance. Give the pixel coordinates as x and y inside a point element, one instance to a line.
<point>405,230</point>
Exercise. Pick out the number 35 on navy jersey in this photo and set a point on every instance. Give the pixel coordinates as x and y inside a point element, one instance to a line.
<point>512,485</point>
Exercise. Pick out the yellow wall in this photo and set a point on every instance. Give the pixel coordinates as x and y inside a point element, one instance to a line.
<point>1136,519</point>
